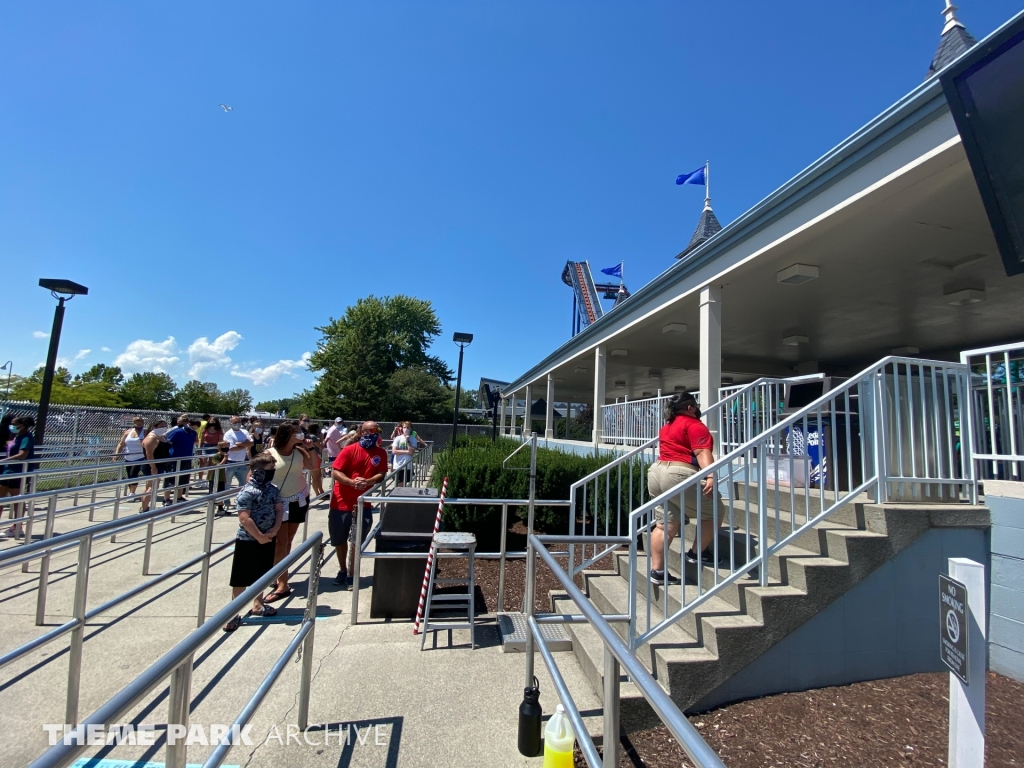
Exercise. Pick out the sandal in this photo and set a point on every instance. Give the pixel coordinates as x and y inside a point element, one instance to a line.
<point>267,610</point>
<point>274,596</point>
<point>234,624</point>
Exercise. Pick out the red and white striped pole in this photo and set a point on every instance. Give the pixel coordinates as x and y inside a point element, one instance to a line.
<point>430,559</point>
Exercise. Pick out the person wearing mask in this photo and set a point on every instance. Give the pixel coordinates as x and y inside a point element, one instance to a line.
<point>315,447</point>
<point>402,450</point>
<point>211,435</point>
<point>238,457</point>
<point>333,440</point>
<point>304,424</point>
<point>130,445</point>
<point>183,445</point>
<point>685,444</point>
<point>260,517</point>
<point>217,480</point>
<point>360,466</point>
<point>258,437</point>
<point>157,451</point>
<point>19,453</point>
<point>290,459</point>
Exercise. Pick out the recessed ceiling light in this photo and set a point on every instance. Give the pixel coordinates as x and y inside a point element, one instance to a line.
<point>620,352</point>
<point>579,370</point>
<point>795,341</point>
<point>905,351</point>
<point>673,328</point>
<point>620,385</point>
<point>966,296</point>
<point>795,274</point>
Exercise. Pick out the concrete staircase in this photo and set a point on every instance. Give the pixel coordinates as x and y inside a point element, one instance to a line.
<point>702,650</point>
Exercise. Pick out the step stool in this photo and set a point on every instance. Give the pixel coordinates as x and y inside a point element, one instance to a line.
<point>458,541</point>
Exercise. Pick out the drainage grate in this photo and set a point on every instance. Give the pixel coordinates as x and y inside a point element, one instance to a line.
<point>513,634</point>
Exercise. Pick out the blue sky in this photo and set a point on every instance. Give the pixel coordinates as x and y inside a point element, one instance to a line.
<point>459,152</point>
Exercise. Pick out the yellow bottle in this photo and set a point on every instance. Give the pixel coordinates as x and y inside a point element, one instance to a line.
<point>558,740</point>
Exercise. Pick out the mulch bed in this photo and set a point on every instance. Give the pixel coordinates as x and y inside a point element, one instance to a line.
<point>899,721</point>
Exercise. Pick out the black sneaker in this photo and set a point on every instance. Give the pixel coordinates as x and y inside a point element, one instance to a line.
<point>707,557</point>
<point>341,579</point>
<point>660,577</point>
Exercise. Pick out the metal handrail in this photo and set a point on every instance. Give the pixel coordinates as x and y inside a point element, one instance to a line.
<point>897,445</point>
<point>997,407</point>
<point>617,656</point>
<point>45,548</point>
<point>177,664</point>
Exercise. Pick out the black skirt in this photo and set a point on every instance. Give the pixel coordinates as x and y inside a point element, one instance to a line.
<point>251,561</point>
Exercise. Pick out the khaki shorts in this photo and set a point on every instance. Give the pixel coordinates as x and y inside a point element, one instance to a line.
<point>665,475</point>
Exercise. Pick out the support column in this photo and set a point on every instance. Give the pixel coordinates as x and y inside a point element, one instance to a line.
<point>600,367</point>
<point>504,400</point>
<point>549,411</point>
<point>710,349</point>
<point>568,419</point>
<point>527,418</point>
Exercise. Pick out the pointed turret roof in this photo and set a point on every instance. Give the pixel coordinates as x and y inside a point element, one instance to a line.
<point>707,227</point>
<point>955,40</point>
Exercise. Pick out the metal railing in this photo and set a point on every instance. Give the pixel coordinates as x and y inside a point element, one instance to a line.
<point>997,409</point>
<point>177,665</point>
<point>890,431</point>
<point>83,541</point>
<point>745,411</point>
<point>633,422</point>
<point>618,656</point>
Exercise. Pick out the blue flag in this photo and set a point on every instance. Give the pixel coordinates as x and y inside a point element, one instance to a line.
<point>696,177</point>
<point>615,271</point>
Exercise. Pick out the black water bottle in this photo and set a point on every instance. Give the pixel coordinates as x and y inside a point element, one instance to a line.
<point>530,714</point>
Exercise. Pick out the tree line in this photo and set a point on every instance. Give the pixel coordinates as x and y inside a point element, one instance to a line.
<point>106,386</point>
<point>373,362</point>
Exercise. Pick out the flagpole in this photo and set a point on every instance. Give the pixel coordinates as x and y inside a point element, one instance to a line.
<point>707,183</point>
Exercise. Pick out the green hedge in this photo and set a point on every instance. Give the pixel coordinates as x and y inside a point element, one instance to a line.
<point>474,470</point>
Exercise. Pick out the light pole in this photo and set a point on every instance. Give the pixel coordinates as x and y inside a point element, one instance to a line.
<point>463,340</point>
<point>9,367</point>
<point>56,288</point>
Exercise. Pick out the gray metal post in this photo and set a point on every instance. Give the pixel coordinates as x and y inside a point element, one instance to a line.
<point>611,710</point>
<point>531,563</point>
<point>117,505</point>
<point>356,561</point>
<point>78,633</point>
<point>44,564</point>
<point>28,511</point>
<point>148,550</point>
<point>501,566</point>
<point>762,511</point>
<point>307,643</point>
<point>178,704</point>
<point>204,573</point>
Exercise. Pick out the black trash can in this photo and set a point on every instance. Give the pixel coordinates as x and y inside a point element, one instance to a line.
<point>405,528</point>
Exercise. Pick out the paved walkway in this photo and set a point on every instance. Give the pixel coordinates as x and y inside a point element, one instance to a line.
<point>400,706</point>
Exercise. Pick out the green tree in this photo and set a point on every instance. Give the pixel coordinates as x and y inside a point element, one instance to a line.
<point>109,377</point>
<point>416,395</point>
<point>359,352</point>
<point>151,391</point>
<point>286,404</point>
<point>206,397</point>
<point>235,401</point>
<point>64,390</point>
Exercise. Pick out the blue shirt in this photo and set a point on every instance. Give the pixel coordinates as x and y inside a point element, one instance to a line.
<point>25,442</point>
<point>182,440</point>
<point>260,503</point>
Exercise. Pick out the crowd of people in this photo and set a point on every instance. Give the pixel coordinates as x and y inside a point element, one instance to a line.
<point>278,472</point>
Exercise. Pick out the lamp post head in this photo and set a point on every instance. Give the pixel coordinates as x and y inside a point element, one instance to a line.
<point>69,287</point>
<point>462,338</point>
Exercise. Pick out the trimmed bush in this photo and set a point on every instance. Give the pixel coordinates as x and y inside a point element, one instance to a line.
<point>474,470</point>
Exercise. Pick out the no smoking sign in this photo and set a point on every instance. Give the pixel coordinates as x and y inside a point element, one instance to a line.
<point>953,626</point>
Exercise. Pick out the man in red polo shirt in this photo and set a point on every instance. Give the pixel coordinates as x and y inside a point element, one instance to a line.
<point>360,466</point>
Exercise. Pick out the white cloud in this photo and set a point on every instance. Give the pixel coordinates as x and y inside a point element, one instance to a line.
<point>82,354</point>
<point>262,377</point>
<point>104,349</point>
<point>208,356</point>
<point>146,355</point>
<point>40,335</point>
